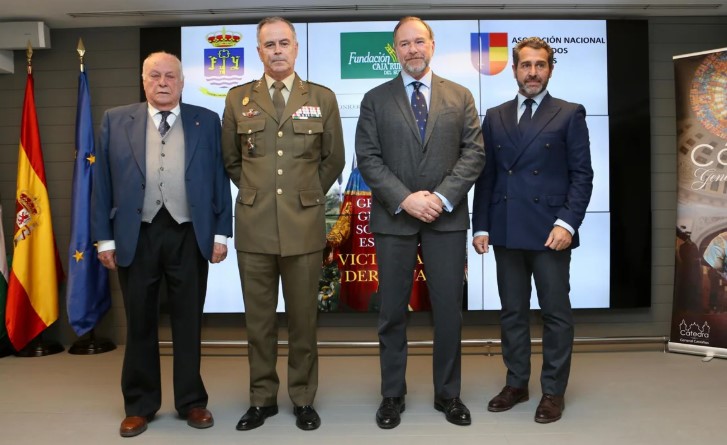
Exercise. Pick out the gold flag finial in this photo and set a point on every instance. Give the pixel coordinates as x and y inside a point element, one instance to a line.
<point>81,51</point>
<point>29,54</point>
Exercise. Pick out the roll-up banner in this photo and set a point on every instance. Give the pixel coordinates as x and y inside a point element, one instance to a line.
<point>699,316</point>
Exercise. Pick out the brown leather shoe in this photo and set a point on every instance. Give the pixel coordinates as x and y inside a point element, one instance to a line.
<point>199,417</point>
<point>133,426</point>
<point>508,397</point>
<point>550,408</point>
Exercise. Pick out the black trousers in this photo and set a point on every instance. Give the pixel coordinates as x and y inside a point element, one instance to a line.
<point>165,249</point>
<point>551,273</point>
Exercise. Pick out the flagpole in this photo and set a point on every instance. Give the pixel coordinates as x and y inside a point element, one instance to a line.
<point>38,347</point>
<point>90,344</point>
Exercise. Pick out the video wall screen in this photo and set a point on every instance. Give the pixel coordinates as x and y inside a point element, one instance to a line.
<point>350,58</point>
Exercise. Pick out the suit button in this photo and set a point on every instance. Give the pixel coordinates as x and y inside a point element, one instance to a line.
<point>279,191</point>
<point>158,202</point>
<point>143,186</point>
<point>280,134</point>
<point>504,197</point>
<point>536,199</point>
<point>509,172</point>
<point>138,211</point>
<point>535,172</point>
<point>547,146</point>
<point>280,152</point>
<point>280,171</point>
<point>498,147</point>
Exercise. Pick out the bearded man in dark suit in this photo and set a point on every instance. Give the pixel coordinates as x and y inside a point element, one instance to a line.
<point>529,203</point>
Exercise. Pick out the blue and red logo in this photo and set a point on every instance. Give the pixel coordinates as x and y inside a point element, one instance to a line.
<point>489,52</point>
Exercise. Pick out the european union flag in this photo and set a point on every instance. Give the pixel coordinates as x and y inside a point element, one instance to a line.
<point>87,294</point>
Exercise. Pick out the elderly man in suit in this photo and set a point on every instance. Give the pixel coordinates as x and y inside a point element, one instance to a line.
<point>161,208</point>
<point>283,147</point>
<point>419,147</point>
<point>529,203</point>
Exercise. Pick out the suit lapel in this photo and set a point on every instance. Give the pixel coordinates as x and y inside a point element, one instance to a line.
<point>435,105</point>
<point>398,92</point>
<point>298,97</point>
<point>545,113</point>
<point>261,96</point>
<point>508,117</point>
<point>136,133</point>
<point>191,126</point>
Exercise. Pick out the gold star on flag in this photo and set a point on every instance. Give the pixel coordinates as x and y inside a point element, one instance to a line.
<point>91,159</point>
<point>78,256</point>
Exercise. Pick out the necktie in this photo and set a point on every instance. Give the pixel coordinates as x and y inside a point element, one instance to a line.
<point>527,116</point>
<point>278,99</point>
<point>419,107</point>
<point>164,125</point>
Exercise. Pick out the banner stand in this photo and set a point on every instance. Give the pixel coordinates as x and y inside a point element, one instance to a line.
<point>699,311</point>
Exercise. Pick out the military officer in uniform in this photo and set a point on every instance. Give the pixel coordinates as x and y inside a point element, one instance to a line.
<point>282,144</point>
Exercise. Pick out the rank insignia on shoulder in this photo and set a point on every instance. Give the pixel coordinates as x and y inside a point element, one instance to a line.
<point>250,113</point>
<point>245,101</point>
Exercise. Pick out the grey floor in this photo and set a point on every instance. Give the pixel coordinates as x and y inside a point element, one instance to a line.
<point>635,397</point>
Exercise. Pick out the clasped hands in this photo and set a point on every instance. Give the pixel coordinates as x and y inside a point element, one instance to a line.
<point>423,205</point>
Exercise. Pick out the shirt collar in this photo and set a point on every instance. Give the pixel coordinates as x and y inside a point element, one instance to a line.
<point>537,99</point>
<point>288,81</point>
<point>153,111</point>
<point>426,80</point>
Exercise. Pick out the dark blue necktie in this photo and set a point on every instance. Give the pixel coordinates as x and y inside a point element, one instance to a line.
<point>164,125</point>
<point>419,106</point>
<point>527,118</point>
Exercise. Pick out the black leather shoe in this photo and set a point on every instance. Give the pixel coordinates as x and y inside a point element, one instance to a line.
<point>306,418</point>
<point>454,410</point>
<point>550,408</point>
<point>255,417</point>
<point>389,413</point>
<point>508,397</point>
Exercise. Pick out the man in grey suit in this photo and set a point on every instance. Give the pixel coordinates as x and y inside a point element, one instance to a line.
<point>161,208</point>
<point>529,203</point>
<point>419,148</point>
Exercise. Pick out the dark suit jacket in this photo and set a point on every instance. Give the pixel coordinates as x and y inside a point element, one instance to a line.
<point>119,181</point>
<point>395,162</point>
<point>531,181</point>
<point>283,169</point>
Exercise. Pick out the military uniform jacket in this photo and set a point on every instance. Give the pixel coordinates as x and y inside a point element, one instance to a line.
<point>282,169</point>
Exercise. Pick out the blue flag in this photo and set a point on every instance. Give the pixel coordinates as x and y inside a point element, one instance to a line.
<point>87,294</point>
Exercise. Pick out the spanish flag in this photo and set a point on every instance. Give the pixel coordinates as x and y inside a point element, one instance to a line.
<point>36,270</point>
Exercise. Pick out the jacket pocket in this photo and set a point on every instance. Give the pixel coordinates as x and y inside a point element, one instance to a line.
<point>310,198</point>
<point>307,138</point>
<point>555,200</point>
<point>252,138</point>
<point>246,196</point>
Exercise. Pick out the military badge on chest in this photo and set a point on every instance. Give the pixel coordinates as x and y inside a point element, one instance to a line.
<point>307,113</point>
